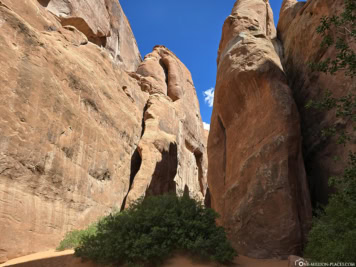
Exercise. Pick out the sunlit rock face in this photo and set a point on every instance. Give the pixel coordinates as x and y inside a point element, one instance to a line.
<point>104,23</point>
<point>78,127</point>
<point>302,45</point>
<point>173,144</point>
<point>256,173</point>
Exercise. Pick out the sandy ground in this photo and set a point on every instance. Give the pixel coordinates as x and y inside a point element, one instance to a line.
<point>66,259</point>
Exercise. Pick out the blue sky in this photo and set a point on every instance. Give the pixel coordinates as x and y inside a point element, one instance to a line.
<point>190,28</point>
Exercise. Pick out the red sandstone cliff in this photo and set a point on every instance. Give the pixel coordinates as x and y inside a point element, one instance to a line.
<point>78,133</point>
<point>256,171</point>
<point>302,45</point>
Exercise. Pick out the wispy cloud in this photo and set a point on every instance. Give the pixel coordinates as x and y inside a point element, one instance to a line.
<point>206,126</point>
<point>209,96</point>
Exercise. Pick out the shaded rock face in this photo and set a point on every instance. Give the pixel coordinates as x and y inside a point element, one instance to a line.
<point>77,130</point>
<point>297,31</point>
<point>256,173</point>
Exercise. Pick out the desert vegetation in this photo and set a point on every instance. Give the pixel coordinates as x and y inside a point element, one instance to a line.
<point>150,231</point>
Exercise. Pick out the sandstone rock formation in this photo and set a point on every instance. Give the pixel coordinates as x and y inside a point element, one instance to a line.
<point>77,130</point>
<point>104,23</point>
<point>297,31</point>
<point>256,172</point>
<point>173,130</point>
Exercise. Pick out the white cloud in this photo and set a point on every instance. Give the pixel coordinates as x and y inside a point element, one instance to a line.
<point>209,96</point>
<point>206,126</point>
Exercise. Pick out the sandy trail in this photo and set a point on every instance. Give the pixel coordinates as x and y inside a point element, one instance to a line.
<point>66,259</point>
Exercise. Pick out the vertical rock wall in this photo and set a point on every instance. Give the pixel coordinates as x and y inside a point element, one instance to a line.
<point>77,131</point>
<point>256,173</point>
<point>302,45</point>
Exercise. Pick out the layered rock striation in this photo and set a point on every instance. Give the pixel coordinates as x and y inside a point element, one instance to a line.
<point>302,45</point>
<point>256,173</point>
<point>81,133</point>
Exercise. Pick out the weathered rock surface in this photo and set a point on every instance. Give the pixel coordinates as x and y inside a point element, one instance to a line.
<point>256,173</point>
<point>68,131</point>
<point>173,143</point>
<point>104,23</point>
<point>206,134</point>
<point>75,127</point>
<point>297,31</point>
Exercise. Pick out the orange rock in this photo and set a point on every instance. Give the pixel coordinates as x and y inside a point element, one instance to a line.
<point>103,22</point>
<point>173,144</point>
<point>68,131</point>
<point>256,172</point>
<point>76,128</point>
<point>297,31</point>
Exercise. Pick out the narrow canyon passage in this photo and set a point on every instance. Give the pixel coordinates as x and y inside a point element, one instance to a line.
<point>89,126</point>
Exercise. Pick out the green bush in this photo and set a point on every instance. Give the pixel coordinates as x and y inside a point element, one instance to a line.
<point>73,238</point>
<point>152,229</point>
<point>333,236</point>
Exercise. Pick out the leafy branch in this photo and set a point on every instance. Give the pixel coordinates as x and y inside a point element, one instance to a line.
<point>344,25</point>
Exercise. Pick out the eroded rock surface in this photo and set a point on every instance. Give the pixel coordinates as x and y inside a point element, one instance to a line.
<point>173,142</point>
<point>256,173</point>
<point>77,130</point>
<point>302,45</point>
<point>104,23</point>
<point>68,131</point>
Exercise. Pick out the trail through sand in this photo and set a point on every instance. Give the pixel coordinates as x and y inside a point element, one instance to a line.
<point>66,259</point>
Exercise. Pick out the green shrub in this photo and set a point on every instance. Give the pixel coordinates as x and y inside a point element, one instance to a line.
<point>73,238</point>
<point>333,236</point>
<point>154,228</point>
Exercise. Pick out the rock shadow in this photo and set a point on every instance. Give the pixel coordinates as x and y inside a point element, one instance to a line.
<point>163,177</point>
<point>135,166</point>
<point>44,3</point>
